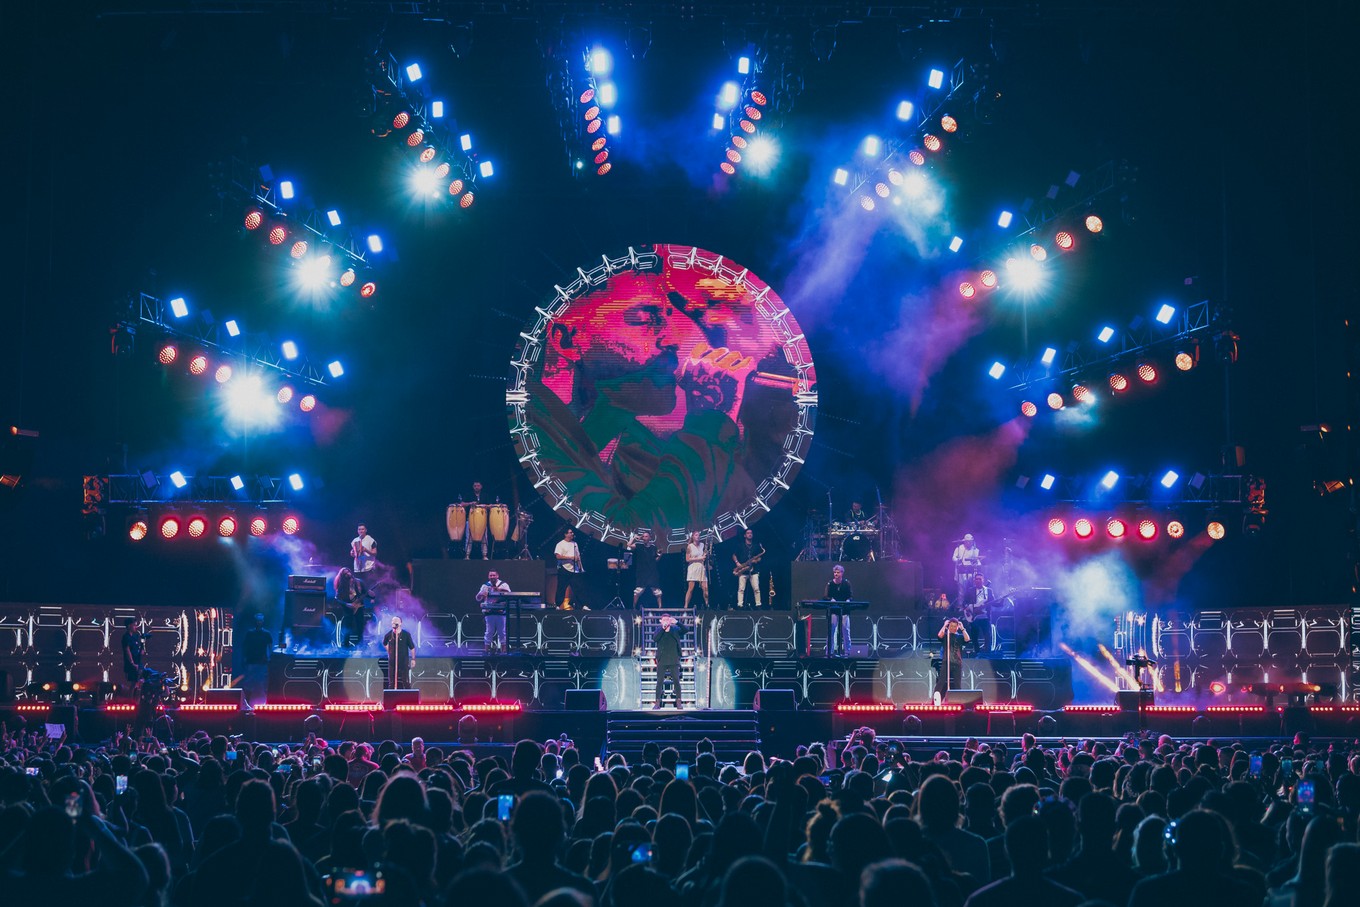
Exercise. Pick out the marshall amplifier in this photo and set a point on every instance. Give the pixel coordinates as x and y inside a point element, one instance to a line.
<point>300,583</point>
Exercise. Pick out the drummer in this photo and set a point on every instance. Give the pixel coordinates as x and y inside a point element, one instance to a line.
<point>857,516</point>
<point>475,500</point>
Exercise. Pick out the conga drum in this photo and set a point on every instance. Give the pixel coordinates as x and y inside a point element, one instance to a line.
<point>476,523</point>
<point>456,518</point>
<point>499,519</point>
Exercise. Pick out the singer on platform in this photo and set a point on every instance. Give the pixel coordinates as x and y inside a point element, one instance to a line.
<point>950,675</point>
<point>401,649</point>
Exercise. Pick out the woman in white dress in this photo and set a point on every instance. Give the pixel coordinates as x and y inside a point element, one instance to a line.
<point>696,572</point>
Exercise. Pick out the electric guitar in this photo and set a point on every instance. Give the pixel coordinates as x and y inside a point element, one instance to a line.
<point>746,567</point>
<point>975,609</point>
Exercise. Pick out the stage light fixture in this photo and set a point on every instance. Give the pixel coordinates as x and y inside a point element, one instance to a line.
<point>967,290</point>
<point>1106,334</point>
<point>1166,313</point>
<point>289,349</point>
<point>169,526</point>
<point>916,157</point>
<point>718,121</point>
<point>1064,241</point>
<point>1056,527</point>
<point>465,141</point>
<point>298,249</point>
<point>1147,530</point>
<point>601,62</point>
<point>258,526</point>
<point>307,403</point>
<point>295,482</point>
<point>762,155</point>
<point>1147,372</point>
<point>368,289</point>
<point>871,146</point>
<point>841,176</point>
<point>436,110</point>
<point>936,78</point>
<point>1187,357</point>
<point>401,119</point>
<point>997,370</point>
<point>743,65</point>
<point>427,154</point>
<point>335,369</point>
<point>456,187</point>
<point>1003,220</point>
<point>284,395</point>
<point>1170,478</point>
<point>602,157</point>
<point>1083,528</point>
<point>226,526</point>
<point>1116,528</point>
<point>178,307</point>
<point>486,169</point>
<point>931,142</point>
<point>198,364</point>
<point>905,109</point>
<point>752,113</point>
<point>1094,224</point>
<point>949,124</point>
<point>223,373</point>
<point>1028,409</point>
<point>914,186</point>
<point>866,203</point>
<point>1175,529</point>
<point>277,235</point>
<point>237,483</point>
<point>286,189</point>
<point>167,354</point>
<point>177,479</point>
<point>441,172</point>
<point>1215,530</point>
<point>254,218</point>
<point>987,279</point>
<point>137,529</point>
<point>197,526</point>
<point>424,182</point>
<point>375,243</point>
<point>413,73</point>
<point>956,244</point>
<point>1055,400</point>
<point>415,138</point>
<point>1046,483</point>
<point>727,98</point>
<point>1038,252</point>
<point>233,329</point>
<point>1024,273</point>
<point>290,525</point>
<point>608,94</point>
<point>1082,394</point>
<point>727,168</point>
<point>1109,480</point>
<point>467,198</point>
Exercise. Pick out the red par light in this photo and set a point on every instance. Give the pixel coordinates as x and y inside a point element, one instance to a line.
<point>138,530</point>
<point>602,157</point>
<point>285,394</point>
<point>168,354</point>
<point>226,527</point>
<point>759,98</point>
<point>1056,527</point>
<point>727,168</point>
<point>1055,400</point>
<point>967,290</point>
<point>299,249</point>
<point>258,526</point>
<point>1175,529</point>
<point>916,157</point>
<point>739,142</point>
<point>223,374</point>
<point>291,525</point>
<point>198,365</point>
<point>587,96</point>
<point>866,203</point>
<point>277,235</point>
<point>1216,530</point>
<point>931,142</point>
<point>753,113</point>
<point>592,113</point>
<point>368,290</point>
<point>1094,224</point>
<point>401,119</point>
<point>882,190</point>
<point>197,526</point>
<point>734,155</point>
<point>604,168</point>
<point>1028,409</point>
<point>1118,382</point>
<point>1147,530</point>
<point>1147,372</point>
<point>169,527</point>
<point>1083,528</point>
<point>427,154</point>
<point>254,218</point>
<point>467,199</point>
<point>1082,394</point>
<point>1064,241</point>
<point>594,126</point>
<point>347,277</point>
<point>1218,688</point>
<point>1185,361</point>
<point>598,143</point>
<point>748,127</point>
<point>442,170</point>
<point>987,279</point>
<point>415,138</point>
<point>307,403</point>
<point>1038,252</point>
<point>456,187</point>
<point>1116,528</point>
<point>949,124</point>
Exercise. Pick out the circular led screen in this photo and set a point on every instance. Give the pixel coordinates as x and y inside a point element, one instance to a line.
<point>667,389</point>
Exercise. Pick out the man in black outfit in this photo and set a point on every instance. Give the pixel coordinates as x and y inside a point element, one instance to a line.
<point>255,662</point>
<point>400,653</point>
<point>646,569</point>
<point>134,649</point>
<point>838,590</point>
<point>667,661</point>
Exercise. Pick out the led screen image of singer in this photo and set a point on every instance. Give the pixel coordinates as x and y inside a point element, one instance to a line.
<point>669,388</point>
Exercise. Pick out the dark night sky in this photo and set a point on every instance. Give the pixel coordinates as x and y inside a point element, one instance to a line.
<point>1237,126</point>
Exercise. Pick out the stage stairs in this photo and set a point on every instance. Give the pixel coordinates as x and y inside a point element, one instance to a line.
<point>649,626</point>
<point>734,733</point>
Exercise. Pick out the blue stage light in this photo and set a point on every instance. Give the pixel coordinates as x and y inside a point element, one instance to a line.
<point>956,244</point>
<point>743,65</point>
<point>485,168</point>
<point>237,483</point>
<point>1003,220</point>
<point>286,189</point>
<point>1110,480</point>
<point>997,370</point>
<point>178,307</point>
<point>601,63</point>
<point>177,478</point>
<point>871,146</point>
<point>1166,313</point>
<point>1023,273</point>
<point>424,182</point>
<point>375,243</point>
<point>413,73</point>
<point>762,153</point>
<point>233,329</point>
<point>612,124</point>
<point>719,121</point>
<point>1049,355</point>
<point>436,110</point>
<point>1046,483</point>
<point>731,92</point>
<point>295,482</point>
<point>465,141</point>
<point>336,369</point>
<point>841,176</point>
<point>607,94</point>
<point>936,79</point>
<point>905,109</point>
<point>289,349</point>
<point>1106,334</point>
<point>1171,478</point>
<point>333,217</point>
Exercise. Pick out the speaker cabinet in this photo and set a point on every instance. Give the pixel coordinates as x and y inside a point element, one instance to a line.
<point>394,698</point>
<point>1127,700</point>
<point>304,607</point>
<point>774,700</point>
<point>963,697</point>
<point>228,696</point>
<point>586,701</point>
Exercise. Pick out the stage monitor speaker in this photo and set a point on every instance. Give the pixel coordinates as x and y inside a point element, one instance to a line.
<point>394,698</point>
<point>586,701</point>
<point>774,700</point>
<point>227,696</point>
<point>304,607</point>
<point>963,697</point>
<point>1127,700</point>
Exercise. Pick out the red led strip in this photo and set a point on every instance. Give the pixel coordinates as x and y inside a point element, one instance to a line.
<point>432,707</point>
<point>284,707</point>
<point>1237,709</point>
<point>209,707</point>
<point>33,707</point>
<point>864,707</point>
<point>354,707</point>
<point>120,707</point>
<point>931,707</point>
<point>491,707</point>
<point>1003,707</point>
<point>1101,709</point>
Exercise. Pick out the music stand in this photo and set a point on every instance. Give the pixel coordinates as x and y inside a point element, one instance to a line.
<point>1138,662</point>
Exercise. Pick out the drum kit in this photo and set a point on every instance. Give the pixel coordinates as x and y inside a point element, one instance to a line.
<point>470,524</point>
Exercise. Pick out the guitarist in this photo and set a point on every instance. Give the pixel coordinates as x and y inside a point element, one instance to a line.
<point>352,597</point>
<point>977,613</point>
<point>747,557</point>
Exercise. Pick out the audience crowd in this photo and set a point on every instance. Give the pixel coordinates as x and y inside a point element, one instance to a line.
<point>220,821</point>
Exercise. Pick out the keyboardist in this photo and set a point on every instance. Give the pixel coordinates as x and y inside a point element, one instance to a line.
<point>838,590</point>
<point>493,613</point>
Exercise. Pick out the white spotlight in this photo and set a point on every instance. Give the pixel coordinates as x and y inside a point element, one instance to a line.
<point>731,91</point>
<point>601,63</point>
<point>762,153</point>
<point>608,94</point>
<point>841,176</point>
<point>936,79</point>
<point>871,146</point>
<point>905,109</point>
<point>424,182</point>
